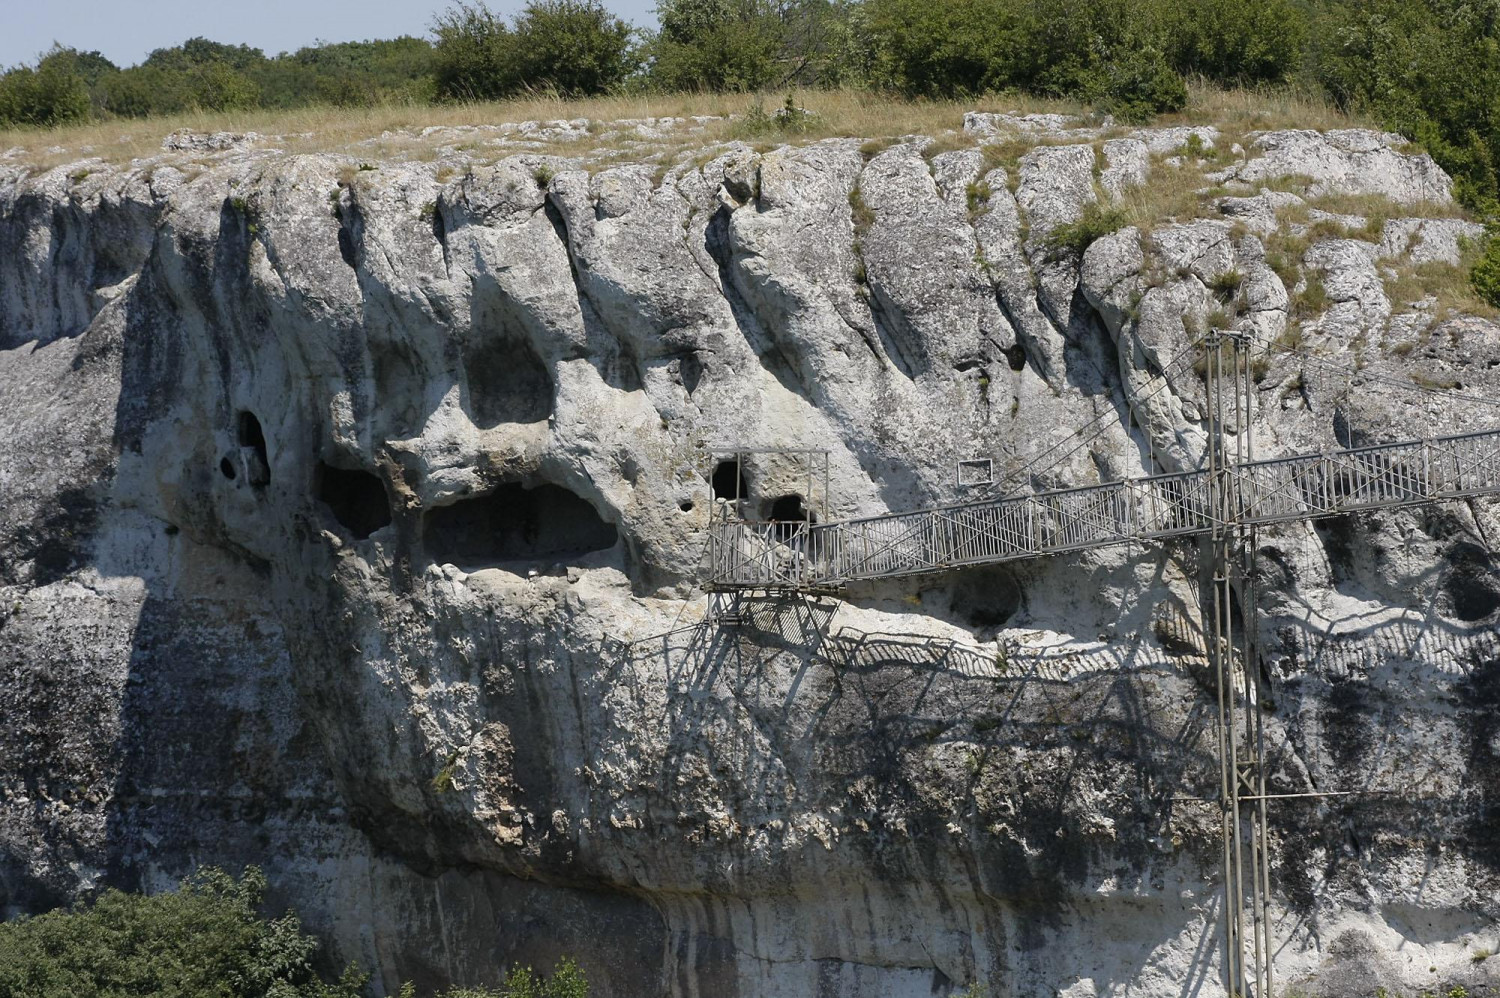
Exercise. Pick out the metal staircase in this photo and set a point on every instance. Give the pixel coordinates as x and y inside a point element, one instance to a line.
<point>800,555</point>
<point>1224,503</point>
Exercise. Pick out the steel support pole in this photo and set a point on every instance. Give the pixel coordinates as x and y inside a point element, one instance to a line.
<point>1217,610</point>
<point>1241,725</point>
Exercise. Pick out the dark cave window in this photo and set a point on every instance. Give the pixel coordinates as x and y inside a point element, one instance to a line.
<point>1472,585</point>
<point>788,511</point>
<point>356,498</point>
<point>986,597</point>
<point>226,467</point>
<point>250,433</point>
<point>787,508</point>
<point>514,523</point>
<point>253,439</point>
<point>507,383</point>
<point>729,481</point>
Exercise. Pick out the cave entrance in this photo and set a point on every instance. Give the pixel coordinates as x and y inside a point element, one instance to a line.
<point>507,383</point>
<point>512,523</point>
<point>252,441</point>
<point>787,466</point>
<point>356,498</point>
<point>789,513</point>
<point>1471,584</point>
<point>728,481</point>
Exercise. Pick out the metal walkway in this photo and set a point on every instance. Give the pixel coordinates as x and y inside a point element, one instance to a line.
<point>800,555</point>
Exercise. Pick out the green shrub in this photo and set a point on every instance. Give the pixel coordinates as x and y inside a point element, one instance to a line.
<point>1238,41</point>
<point>1226,286</point>
<point>1311,300</point>
<point>220,87</point>
<point>152,90</point>
<point>1486,273</point>
<point>789,119</point>
<point>944,48</point>
<point>566,981</point>
<point>53,93</point>
<point>1141,85</point>
<point>1107,52</point>
<point>350,74</point>
<point>574,48</point>
<point>204,940</point>
<point>475,57</point>
<point>1096,221</point>
<point>860,211</point>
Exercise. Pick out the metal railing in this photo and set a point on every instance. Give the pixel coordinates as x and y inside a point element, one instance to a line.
<point>797,555</point>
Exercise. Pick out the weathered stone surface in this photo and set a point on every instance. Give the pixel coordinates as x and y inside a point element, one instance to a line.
<point>1429,240</point>
<point>1258,213</point>
<point>352,523</point>
<point>1127,164</point>
<point>1351,160</point>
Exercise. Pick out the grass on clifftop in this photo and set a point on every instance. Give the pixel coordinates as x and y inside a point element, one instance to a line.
<point>392,131</point>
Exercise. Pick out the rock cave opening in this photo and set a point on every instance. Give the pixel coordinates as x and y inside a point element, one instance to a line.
<point>507,383</point>
<point>356,498</point>
<point>728,481</point>
<point>986,597</point>
<point>513,523</point>
<point>1472,587</point>
<point>787,512</point>
<point>252,441</point>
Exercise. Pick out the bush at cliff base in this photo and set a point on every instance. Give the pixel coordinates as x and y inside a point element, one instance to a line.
<point>205,940</point>
<point>565,981</point>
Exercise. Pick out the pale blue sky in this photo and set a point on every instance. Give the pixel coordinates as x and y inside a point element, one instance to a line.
<point>126,30</point>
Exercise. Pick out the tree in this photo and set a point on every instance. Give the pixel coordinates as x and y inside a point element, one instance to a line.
<point>1486,274</point>
<point>202,52</point>
<point>53,93</point>
<point>950,48</point>
<point>205,940</point>
<point>475,57</point>
<point>1238,41</point>
<point>573,47</point>
<point>1429,69</point>
<point>746,45</point>
<point>1106,52</point>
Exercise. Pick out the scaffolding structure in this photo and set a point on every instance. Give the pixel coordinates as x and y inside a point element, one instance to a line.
<point>1224,503</point>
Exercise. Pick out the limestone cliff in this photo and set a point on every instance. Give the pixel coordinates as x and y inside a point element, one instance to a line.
<point>352,519</point>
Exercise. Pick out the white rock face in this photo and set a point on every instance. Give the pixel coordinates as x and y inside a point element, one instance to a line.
<point>352,523</point>
<point>1350,160</point>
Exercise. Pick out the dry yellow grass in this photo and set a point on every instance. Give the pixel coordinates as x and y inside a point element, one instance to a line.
<point>1179,193</point>
<point>848,113</point>
<point>1448,286</point>
<point>835,113</point>
<point>1240,111</point>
